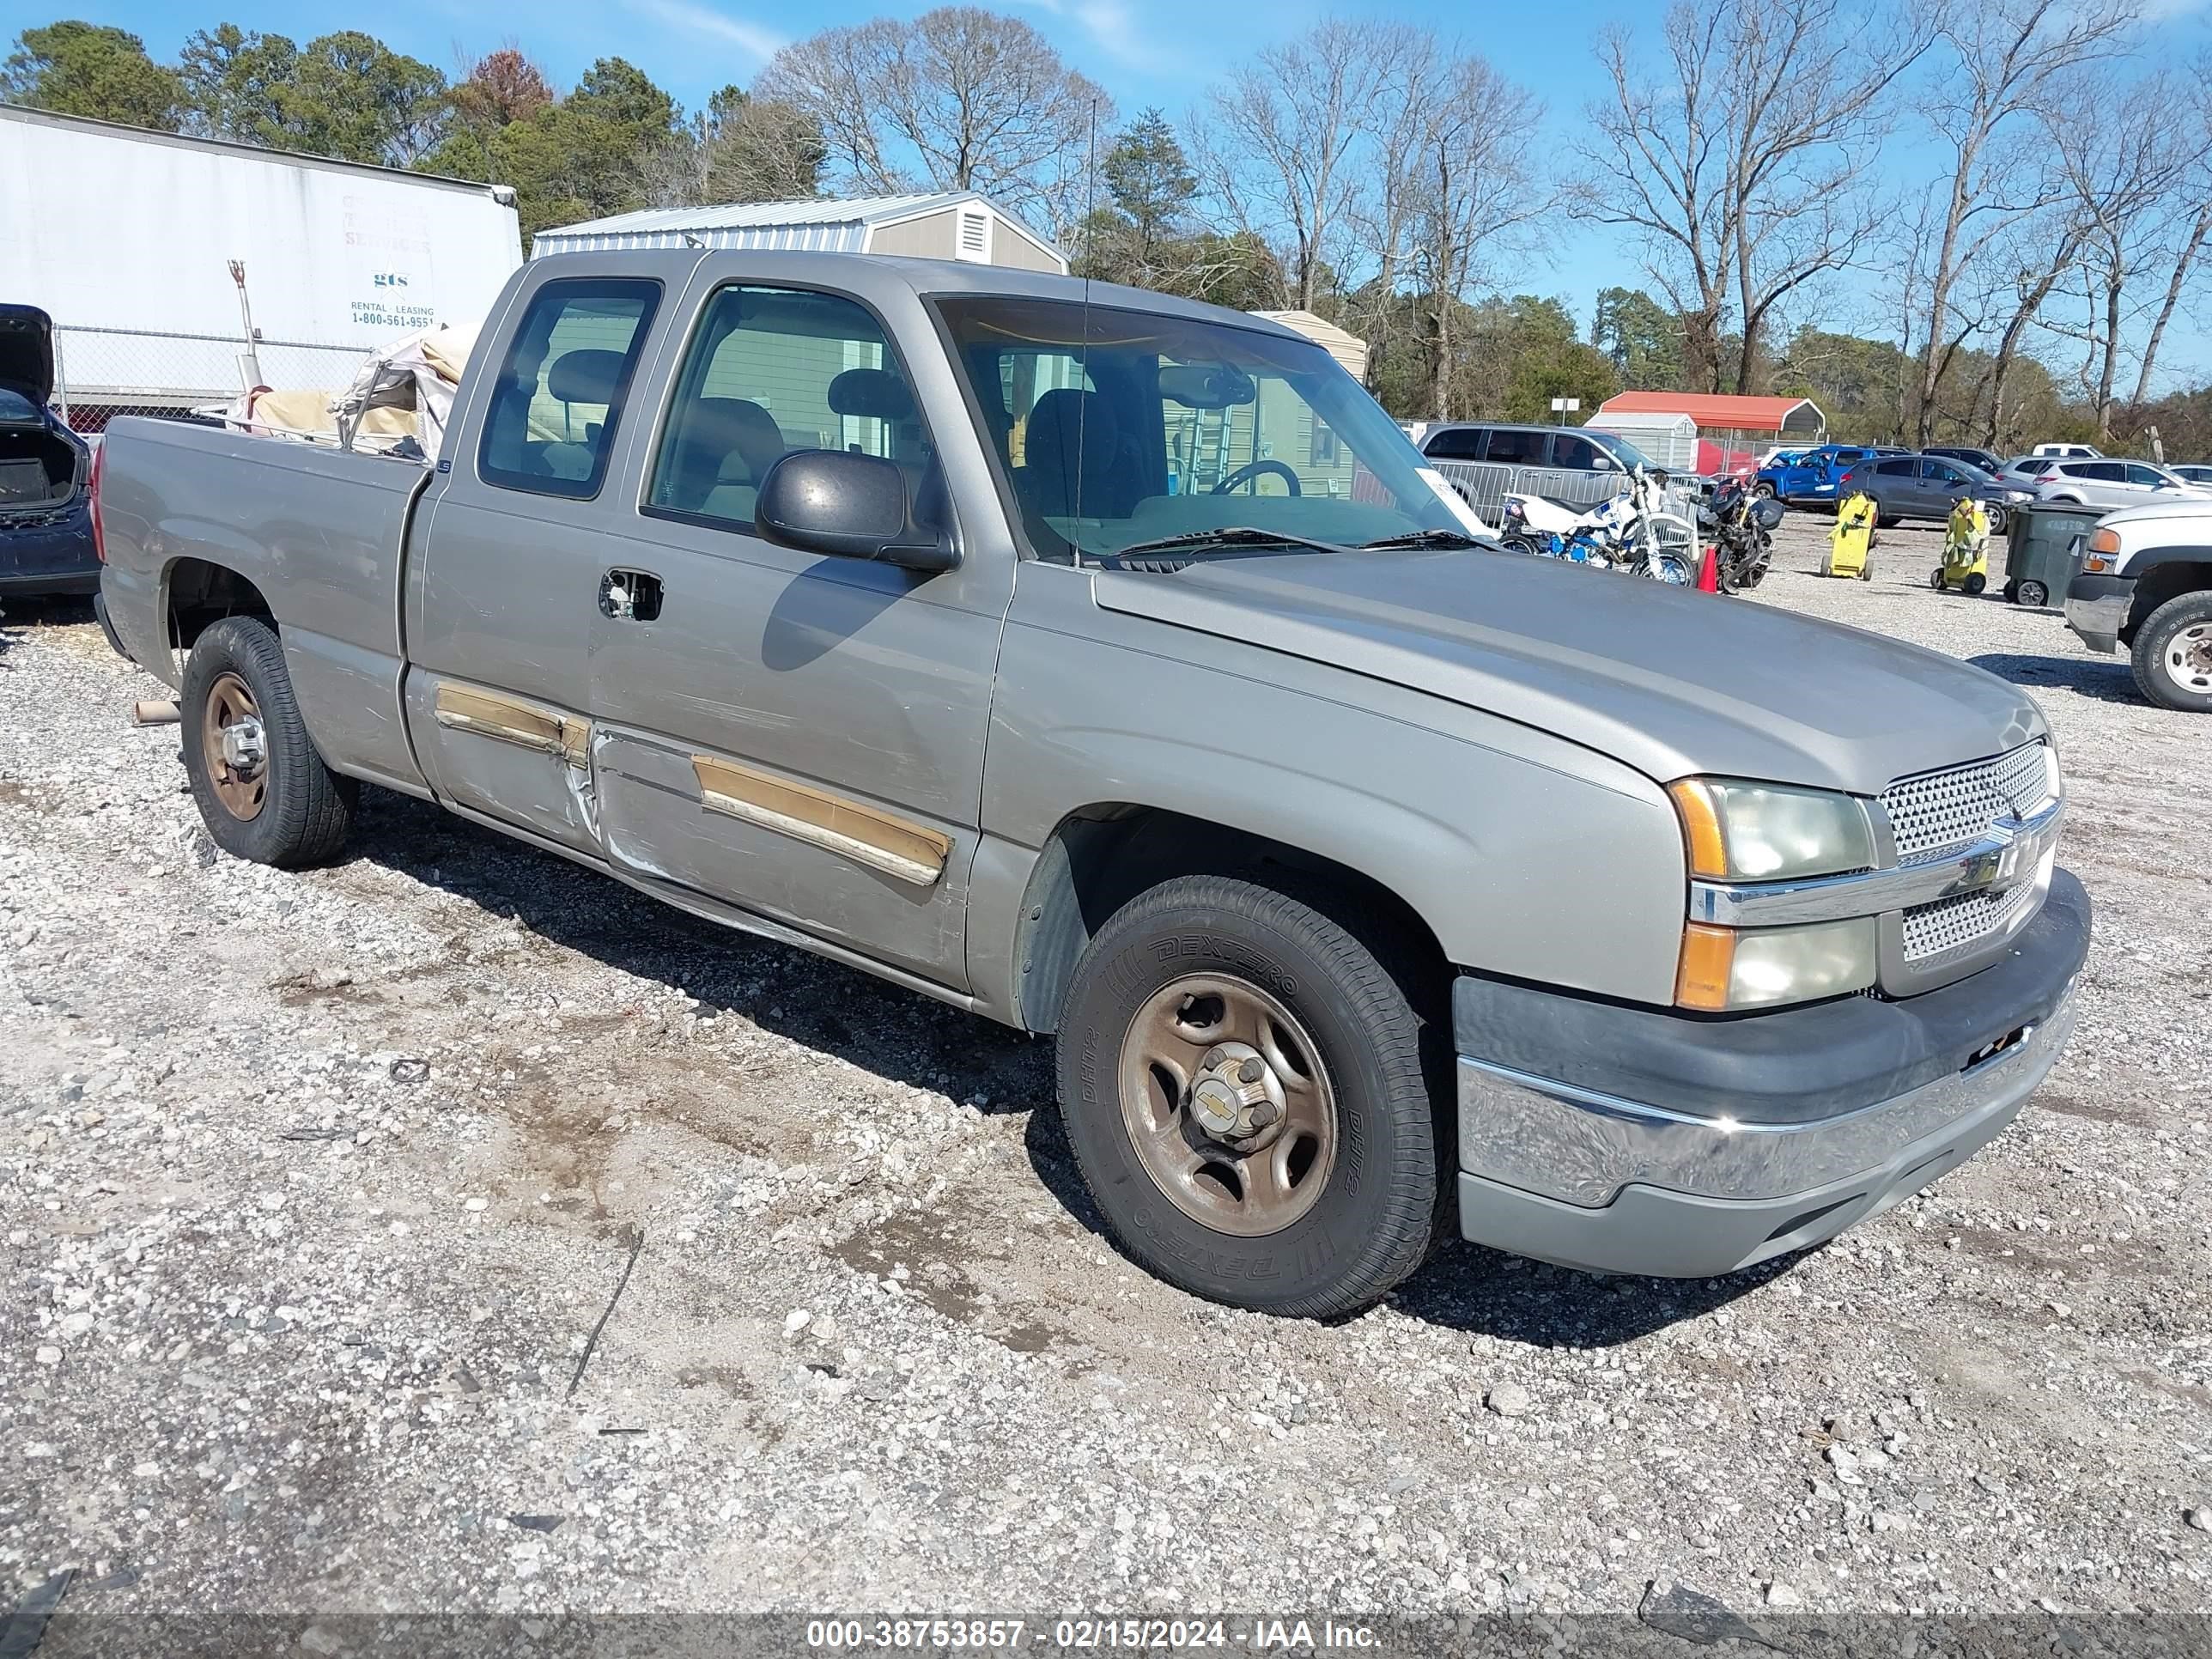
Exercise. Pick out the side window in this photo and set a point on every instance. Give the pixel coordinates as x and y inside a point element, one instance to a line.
<point>1577,455</point>
<point>550,426</point>
<point>2139,474</point>
<point>1512,446</point>
<point>1904,469</point>
<point>771,370</point>
<point>1942,473</point>
<point>1459,443</point>
<point>2102,471</point>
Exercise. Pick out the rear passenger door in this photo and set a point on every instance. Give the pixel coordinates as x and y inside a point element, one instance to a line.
<point>798,735</point>
<point>505,559</point>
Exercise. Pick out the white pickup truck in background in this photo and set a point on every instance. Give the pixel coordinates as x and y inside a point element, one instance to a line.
<point>2145,583</point>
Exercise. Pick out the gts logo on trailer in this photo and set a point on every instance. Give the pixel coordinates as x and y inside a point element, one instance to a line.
<point>388,279</point>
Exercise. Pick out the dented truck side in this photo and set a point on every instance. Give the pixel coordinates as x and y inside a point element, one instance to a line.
<point>1357,869</point>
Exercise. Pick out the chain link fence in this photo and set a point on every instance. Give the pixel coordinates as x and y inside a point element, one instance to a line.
<point>100,372</point>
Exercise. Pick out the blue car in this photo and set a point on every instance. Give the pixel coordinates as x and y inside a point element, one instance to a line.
<point>45,510</point>
<point>1815,474</point>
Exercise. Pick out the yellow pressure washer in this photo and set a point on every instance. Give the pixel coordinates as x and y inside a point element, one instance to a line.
<point>1965,565</point>
<point>1850,545</point>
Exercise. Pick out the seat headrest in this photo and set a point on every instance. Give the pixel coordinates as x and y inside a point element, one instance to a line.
<point>585,376</point>
<point>1068,416</point>
<point>872,391</point>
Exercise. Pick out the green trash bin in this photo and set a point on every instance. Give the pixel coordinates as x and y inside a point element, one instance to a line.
<point>2040,552</point>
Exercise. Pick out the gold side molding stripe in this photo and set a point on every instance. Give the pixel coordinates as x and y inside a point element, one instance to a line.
<point>510,719</point>
<point>909,852</point>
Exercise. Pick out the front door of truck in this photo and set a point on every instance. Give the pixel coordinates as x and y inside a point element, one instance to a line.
<point>507,559</point>
<point>798,735</point>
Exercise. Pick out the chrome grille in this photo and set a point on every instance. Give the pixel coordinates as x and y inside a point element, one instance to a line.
<point>1942,812</point>
<point>1951,925</point>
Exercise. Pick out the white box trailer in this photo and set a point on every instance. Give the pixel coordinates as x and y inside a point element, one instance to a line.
<point>127,237</point>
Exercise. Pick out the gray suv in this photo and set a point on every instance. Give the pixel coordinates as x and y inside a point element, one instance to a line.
<point>1928,487</point>
<point>2106,483</point>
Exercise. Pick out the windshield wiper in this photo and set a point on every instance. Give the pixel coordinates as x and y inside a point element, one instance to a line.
<point>1425,538</point>
<point>1242,535</point>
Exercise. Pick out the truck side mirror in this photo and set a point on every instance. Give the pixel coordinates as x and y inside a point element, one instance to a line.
<point>851,507</point>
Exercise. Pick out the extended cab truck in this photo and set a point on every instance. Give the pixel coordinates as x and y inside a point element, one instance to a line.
<point>1365,875</point>
<point>2145,583</point>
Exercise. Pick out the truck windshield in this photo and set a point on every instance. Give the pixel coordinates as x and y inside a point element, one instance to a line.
<point>1117,428</point>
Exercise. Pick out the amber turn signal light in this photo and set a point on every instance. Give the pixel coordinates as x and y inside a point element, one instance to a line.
<point>1708,964</point>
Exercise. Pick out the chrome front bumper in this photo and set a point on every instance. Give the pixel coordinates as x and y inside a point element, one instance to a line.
<point>1584,1148</point>
<point>1609,1186</point>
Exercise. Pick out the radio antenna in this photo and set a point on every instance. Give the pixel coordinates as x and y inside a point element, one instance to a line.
<point>1082,349</point>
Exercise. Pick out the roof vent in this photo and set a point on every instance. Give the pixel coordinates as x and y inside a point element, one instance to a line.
<point>974,235</point>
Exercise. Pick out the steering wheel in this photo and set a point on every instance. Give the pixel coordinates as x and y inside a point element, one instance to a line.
<point>1252,470</point>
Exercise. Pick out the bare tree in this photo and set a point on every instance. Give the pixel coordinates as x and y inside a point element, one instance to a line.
<point>1278,151</point>
<point>2124,181</point>
<point>2192,224</point>
<point>2003,63</point>
<point>837,78</point>
<point>1737,163</point>
<point>1415,74</point>
<point>1474,183</point>
<point>959,99</point>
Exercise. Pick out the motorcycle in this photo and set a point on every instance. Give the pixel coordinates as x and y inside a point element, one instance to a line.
<point>1742,524</point>
<point>1636,532</point>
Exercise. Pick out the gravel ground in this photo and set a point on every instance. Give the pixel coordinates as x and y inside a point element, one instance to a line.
<point>451,1229</point>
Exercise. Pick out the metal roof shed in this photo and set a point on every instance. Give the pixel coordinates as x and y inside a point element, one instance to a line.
<point>1670,439</point>
<point>954,225</point>
<point>1785,417</point>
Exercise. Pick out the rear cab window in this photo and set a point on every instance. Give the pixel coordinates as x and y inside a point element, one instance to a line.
<point>549,428</point>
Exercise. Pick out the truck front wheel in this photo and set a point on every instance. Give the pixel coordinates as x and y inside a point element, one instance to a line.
<point>262,790</point>
<point>2172,654</point>
<point>1251,1090</point>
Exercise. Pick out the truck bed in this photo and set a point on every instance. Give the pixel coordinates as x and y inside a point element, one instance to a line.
<point>316,529</point>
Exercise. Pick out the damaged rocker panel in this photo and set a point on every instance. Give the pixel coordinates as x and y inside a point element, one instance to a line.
<point>510,719</point>
<point>907,851</point>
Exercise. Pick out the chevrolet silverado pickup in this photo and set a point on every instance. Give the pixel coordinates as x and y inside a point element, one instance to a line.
<point>1112,666</point>
<point>2145,583</point>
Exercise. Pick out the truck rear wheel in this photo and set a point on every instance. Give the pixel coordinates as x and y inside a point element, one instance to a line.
<point>2172,654</point>
<point>1251,1094</point>
<point>263,792</point>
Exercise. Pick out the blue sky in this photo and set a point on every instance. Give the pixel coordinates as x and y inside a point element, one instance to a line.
<point>1143,52</point>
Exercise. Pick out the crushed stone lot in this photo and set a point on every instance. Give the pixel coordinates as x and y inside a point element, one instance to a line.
<point>452,1229</point>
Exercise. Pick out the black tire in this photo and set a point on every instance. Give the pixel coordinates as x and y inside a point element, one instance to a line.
<point>2031,593</point>
<point>1517,544</point>
<point>1361,995</point>
<point>1886,521</point>
<point>1764,491</point>
<point>1935,578</point>
<point>1997,521</point>
<point>1976,585</point>
<point>2158,636</point>
<point>305,808</point>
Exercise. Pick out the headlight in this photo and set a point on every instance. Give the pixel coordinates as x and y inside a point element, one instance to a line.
<point>1726,968</point>
<point>1737,831</point>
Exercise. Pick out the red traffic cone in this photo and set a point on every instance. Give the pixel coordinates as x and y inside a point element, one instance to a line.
<point>1709,571</point>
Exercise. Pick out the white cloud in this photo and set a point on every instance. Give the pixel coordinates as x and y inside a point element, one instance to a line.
<point>1113,28</point>
<point>709,24</point>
